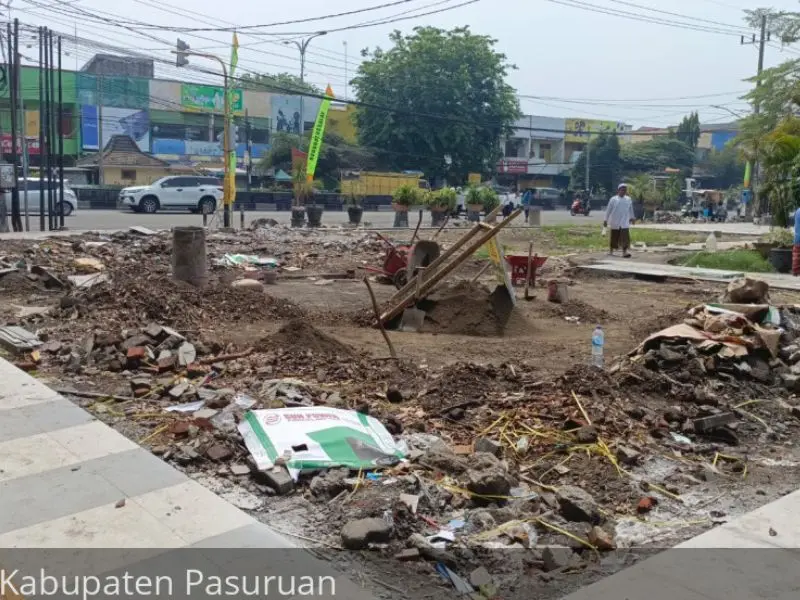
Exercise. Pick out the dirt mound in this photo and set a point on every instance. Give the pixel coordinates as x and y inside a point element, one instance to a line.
<point>468,309</point>
<point>299,335</point>
<point>646,327</point>
<point>134,298</point>
<point>576,308</point>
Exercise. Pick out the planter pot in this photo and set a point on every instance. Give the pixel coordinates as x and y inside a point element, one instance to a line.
<point>298,216</point>
<point>474,212</point>
<point>355,213</point>
<point>314,214</point>
<point>763,248</point>
<point>438,217</point>
<point>400,215</point>
<point>781,259</point>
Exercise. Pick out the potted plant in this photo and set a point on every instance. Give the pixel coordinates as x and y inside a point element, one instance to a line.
<point>781,241</point>
<point>403,199</point>
<point>355,210</point>
<point>474,202</point>
<point>441,203</point>
<point>490,200</point>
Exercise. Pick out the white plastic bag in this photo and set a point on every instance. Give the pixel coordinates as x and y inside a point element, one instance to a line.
<point>604,232</point>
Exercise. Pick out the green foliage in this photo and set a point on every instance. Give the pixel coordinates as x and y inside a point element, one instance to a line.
<point>473,196</point>
<point>688,131</point>
<point>443,199</point>
<point>605,166</point>
<point>588,237</point>
<point>748,261</point>
<point>780,159</point>
<point>335,155</point>
<point>673,191</point>
<point>433,71</point>
<point>655,155</point>
<point>278,83</point>
<point>781,237</point>
<point>489,199</point>
<point>407,195</point>
<point>726,165</point>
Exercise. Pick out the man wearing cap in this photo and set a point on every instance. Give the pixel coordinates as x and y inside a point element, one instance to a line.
<point>619,216</point>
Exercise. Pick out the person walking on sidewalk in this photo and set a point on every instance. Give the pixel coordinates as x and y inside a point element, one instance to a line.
<point>619,216</point>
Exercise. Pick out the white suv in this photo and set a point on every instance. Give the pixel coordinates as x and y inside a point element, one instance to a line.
<point>198,194</point>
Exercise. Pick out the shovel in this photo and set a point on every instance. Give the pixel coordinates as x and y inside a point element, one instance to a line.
<point>413,317</point>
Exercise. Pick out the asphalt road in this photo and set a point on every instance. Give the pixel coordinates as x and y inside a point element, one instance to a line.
<point>85,220</point>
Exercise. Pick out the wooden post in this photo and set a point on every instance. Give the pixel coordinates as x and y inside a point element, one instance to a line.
<point>528,271</point>
<point>375,308</point>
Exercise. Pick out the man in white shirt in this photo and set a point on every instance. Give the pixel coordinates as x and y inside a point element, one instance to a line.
<point>619,216</point>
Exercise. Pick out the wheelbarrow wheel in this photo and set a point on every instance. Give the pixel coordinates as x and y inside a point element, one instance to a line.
<point>400,279</point>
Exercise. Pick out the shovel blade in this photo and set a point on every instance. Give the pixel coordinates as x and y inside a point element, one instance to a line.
<point>412,320</point>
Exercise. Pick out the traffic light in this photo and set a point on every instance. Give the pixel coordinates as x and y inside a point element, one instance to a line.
<point>182,58</point>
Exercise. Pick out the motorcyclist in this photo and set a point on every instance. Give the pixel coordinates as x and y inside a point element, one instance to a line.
<point>585,201</point>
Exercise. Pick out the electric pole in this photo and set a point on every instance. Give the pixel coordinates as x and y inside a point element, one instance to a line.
<point>763,38</point>
<point>588,159</point>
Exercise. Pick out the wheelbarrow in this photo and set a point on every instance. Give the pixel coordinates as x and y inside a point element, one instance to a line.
<point>395,262</point>
<point>519,268</point>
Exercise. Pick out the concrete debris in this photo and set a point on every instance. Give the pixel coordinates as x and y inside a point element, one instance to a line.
<point>747,291</point>
<point>359,534</point>
<point>490,446</point>
<point>577,504</point>
<point>278,479</point>
<point>601,539</point>
<point>488,478</point>
<point>19,340</point>
<point>329,483</point>
<point>557,557</point>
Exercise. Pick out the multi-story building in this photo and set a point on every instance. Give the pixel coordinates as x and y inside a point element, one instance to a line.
<point>542,150</point>
<point>178,122</point>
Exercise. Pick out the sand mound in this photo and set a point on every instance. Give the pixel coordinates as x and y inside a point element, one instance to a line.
<point>468,309</point>
<point>298,335</point>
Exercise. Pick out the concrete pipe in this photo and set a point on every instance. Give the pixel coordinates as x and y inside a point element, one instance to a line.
<point>189,262</point>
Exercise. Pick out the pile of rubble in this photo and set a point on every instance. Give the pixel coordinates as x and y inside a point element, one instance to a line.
<point>743,338</point>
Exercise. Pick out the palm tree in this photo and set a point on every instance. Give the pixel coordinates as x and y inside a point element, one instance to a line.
<point>780,152</point>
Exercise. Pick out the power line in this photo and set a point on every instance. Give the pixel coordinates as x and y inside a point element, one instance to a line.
<point>640,17</point>
<point>665,12</point>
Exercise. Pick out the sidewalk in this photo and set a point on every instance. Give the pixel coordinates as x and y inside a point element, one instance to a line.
<point>725,228</point>
<point>752,557</point>
<point>64,477</point>
<point>632,267</point>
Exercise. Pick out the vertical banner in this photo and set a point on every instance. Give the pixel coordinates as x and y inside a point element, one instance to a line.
<point>317,134</point>
<point>230,172</point>
<point>748,169</point>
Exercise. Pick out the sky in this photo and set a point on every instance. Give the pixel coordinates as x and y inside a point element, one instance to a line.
<point>572,59</point>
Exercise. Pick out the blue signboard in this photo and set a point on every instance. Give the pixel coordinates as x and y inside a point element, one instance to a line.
<point>89,134</point>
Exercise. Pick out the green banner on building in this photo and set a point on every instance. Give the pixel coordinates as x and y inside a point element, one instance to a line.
<point>317,134</point>
<point>209,98</point>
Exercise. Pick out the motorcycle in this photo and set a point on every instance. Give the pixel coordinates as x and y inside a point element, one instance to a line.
<point>578,208</point>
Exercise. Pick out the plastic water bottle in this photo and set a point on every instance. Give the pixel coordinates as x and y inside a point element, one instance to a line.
<point>598,339</point>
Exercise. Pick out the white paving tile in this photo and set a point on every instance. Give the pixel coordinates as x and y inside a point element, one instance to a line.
<point>31,455</point>
<point>103,527</point>
<point>92,440</point>
<point>191,511</point>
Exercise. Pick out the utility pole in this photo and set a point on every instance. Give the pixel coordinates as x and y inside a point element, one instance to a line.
<point>763,38</point>
<point>100,149</point>
<point>248,150</point>
<point>588,162</point>
<point>302,46</point>
<point>346,78</point>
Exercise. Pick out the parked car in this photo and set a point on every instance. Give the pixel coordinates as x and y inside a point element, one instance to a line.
<point>547,198</point>
<point>70,199</point>
<point>198,194</point>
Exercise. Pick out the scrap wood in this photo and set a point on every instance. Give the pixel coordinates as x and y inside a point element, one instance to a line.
<point>97,395</point>
<point>225,357</point>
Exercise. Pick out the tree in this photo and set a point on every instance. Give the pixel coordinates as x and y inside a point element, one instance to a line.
<point>672,192</point>
<point>688,130</point>
<point>780,152</point>
<point>279,83</point>
<point>726,166</point>
<point>436,93</point>
<point>655,155</point>
<point>604,164</point>
<point>335,155</point>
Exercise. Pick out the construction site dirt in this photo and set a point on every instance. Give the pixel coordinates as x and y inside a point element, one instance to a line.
<point>518,458</point>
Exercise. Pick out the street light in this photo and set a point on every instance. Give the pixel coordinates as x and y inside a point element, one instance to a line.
<point>182,52</point>
<point>302,46</point>
<point>735,113</point>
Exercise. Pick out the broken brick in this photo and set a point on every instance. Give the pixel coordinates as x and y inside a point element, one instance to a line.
<point>197,370</point>
<point>712,422</point>
<point>218,452</point>
<point>137,353</point>
<point>646,504</point>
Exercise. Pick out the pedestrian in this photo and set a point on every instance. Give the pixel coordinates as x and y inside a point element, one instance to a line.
<point>526,202</point>
<point>619,216</point>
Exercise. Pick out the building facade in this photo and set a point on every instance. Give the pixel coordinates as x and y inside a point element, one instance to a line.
<point>542,150</point>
